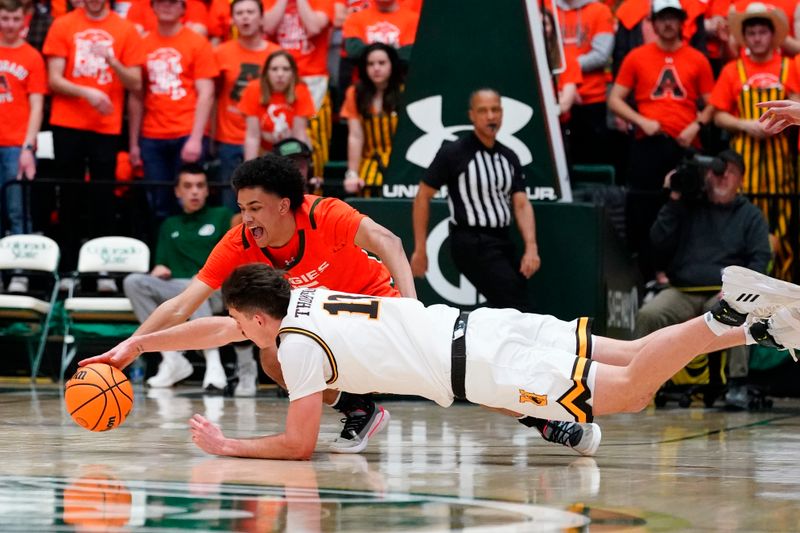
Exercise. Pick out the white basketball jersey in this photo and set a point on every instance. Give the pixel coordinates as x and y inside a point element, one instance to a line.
<point>372,344</point>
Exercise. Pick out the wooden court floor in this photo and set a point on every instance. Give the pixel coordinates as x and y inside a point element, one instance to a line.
<point>433,469</point>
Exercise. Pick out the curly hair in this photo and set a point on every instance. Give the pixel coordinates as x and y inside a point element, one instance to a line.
<point>274,174</point>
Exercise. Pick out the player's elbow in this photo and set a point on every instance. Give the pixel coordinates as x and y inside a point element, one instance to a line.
<point>300,450</point>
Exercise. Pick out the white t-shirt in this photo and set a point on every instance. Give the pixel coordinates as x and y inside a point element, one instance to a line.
<point>364,344</point>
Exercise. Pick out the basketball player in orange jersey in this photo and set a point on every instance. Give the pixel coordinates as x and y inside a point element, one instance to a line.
<point>320,242</point>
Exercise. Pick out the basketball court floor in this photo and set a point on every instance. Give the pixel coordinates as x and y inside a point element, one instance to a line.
<point>433,469</point>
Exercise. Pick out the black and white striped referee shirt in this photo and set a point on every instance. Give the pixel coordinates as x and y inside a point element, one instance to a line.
<point>480,181</point>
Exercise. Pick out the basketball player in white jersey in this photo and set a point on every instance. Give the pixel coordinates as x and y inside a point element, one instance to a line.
<point>518,363</point>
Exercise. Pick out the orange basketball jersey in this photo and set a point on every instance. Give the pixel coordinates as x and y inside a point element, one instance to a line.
<point>324,254</point>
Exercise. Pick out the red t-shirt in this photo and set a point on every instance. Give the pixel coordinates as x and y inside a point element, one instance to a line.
<point>237,67</point>
<point>310,53</point>
<point>170,96</point>
<point>73,37</point>
<point>397,29</point>
<point>322,254</point>
<point>578,28</point>
<point>278,114</point>
<point>666,85</point>
<point>725,95</point>
<point>22,73</point>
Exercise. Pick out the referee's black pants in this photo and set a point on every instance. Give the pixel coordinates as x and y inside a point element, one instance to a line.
<point>489,260</point>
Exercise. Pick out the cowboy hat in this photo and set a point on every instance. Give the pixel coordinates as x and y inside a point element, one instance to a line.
<point>759,10</point>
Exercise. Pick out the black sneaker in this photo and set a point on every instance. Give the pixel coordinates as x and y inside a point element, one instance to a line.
<point>359,425</point>
<point>583,438</point>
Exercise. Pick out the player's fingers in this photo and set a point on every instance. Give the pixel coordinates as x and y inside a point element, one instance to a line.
<point>103,358</point>
<point>774,104</point>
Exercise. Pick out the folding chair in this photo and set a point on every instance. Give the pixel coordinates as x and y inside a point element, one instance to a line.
<point>91,315</point>
<point>28,316</point>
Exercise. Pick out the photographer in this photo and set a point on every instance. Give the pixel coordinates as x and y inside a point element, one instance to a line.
<point>705,225</point>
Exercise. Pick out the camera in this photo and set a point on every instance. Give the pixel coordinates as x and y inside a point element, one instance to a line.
<point>689,178</point>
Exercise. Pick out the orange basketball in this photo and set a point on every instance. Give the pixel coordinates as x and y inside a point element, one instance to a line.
<point>98,397</point>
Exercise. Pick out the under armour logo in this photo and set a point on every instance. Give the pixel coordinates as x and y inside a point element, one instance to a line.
<point>426,114</point>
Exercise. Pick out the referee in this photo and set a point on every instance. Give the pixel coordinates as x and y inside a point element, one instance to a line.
<point>486,192</point>
<point>485,187</point>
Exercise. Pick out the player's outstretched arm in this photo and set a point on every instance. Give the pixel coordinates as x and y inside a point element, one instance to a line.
<point>779,114</point>
<point>200,334</point>
<point>178,309</point>
<point>388,246</point>
<point>296,443</point>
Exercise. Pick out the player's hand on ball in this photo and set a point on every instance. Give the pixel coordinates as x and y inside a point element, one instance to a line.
<point>207,435</point>
<point>119,356</point>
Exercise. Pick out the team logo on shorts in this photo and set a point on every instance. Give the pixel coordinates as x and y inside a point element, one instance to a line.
<point>531,397</point>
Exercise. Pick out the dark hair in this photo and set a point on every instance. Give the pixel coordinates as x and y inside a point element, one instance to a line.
<point>190,168</point>
<point>550,41</point>
<point>274,174</point>
<point>366,90</point>
<point>758,21</point>
<point>474,93</point>
<point>257,287</point>
<point>260,5</point>
<point>11,5</point>
<point>263,80</point>
<point>734,158</point>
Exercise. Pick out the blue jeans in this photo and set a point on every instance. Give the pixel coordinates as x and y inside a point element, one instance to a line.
<point>9,166</point>
<point>161,159</point>
<point>230,157</point>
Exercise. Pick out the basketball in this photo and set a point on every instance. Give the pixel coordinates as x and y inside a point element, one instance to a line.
<point>98,397</point>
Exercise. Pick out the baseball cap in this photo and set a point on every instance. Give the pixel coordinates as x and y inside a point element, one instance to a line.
<point>659,6</point>
<point>729,156</point>
<point>291,147</point>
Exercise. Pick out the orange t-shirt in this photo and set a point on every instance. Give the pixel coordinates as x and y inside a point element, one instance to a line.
<point>72,37</point>
<point>237,67</point>
<point>278,114</point>
<point>22,73</point>
<point>413,5</point>
<point>666,85</point>
<point>322,254</point>
<point>572,70</point>
<point>141,13</point>
<point>725,95</point>
<point>310,53</point>
<point>578,28</point>
<point>172,64</point>
<point>398,28</point>
<point>350,106</point>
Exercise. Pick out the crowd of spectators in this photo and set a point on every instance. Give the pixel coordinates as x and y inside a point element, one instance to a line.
<point>140,87</point>
<point>135,89</point>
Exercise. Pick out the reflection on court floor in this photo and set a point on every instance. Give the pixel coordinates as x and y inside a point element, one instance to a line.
<point>433,469</point>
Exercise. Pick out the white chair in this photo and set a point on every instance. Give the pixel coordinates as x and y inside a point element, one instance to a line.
<point>88,314</point>
<point>28,316</point>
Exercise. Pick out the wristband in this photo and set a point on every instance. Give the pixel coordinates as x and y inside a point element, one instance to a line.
<point>29,147</point>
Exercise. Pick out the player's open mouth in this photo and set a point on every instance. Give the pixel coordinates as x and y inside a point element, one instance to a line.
<point>257,232</point>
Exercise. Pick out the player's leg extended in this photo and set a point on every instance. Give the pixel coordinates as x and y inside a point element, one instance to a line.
<point>657,357</point>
